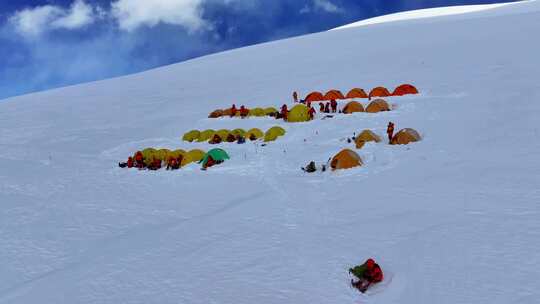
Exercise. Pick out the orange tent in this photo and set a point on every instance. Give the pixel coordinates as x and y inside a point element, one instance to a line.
<point>353,106</point>
<point>356,93</point>
<point>345,159</point>
<point>405,89</point>
<point>314,96</point>
<point>378,105</point>
<point>333,94</point>
<point>379,92</point>
<point>405,136</point>
<point>216,114</point>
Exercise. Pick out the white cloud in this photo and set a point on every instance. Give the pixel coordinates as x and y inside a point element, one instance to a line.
<point>35,21</point>
<point>79,15</point>
<point>132,14</point>
<point>321,5</point>
<point>327,6</point>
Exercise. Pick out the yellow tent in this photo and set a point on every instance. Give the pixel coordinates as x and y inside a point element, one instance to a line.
<point>273,133</point>
<point>223,133</point>
<point>405,137</point>
<point>270,110</point>
<point>278,129</point>
<point>345,159</point>
<point>378,105</point>
<point>196,155</point>
<point>191,135</point>
<point>257,133</point>
<point>206,135</point>
<point>177,153</point>
<point>298,113</point>
<point>365,136</point>
<point>238,132</point>
<point>148,152</point>
<point>256,112</point>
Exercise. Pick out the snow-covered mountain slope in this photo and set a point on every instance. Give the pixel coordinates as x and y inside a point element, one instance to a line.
<point>451,219</point>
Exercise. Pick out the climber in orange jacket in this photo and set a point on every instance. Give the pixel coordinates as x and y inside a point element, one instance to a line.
<point>390,131</point>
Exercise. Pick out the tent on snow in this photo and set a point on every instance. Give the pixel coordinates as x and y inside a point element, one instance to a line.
<point>259,112</point>
<point>298,113</point>
<point>238,132</point>
<point>345,159</point>
<point>405,89</point>
<point>379,92</point>
<point>365,136</point>
<point>378,105</point>
<point>192,156</point>
<point>216,114</point>
<point>352,107</point>
<point>314,96</point>
<point>191,135</point>
<point>270,111</point>
<point>206,135</point>
<point>356,93</point>
<point>228,112</point>
<point>223,133</point>
<point>273,133</point>
<point>177,153</point>
<point>405,136</point>
<point>216,154</point>
<point>255,133</point>
<point>333,94</point>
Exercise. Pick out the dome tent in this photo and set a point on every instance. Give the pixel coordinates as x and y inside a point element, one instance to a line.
<point>191,135</point>
<point>279,129</point>
<point>298,113</point>
<point>216,154</point>
<point>238,132</point>
<point>314,96</point>
<point>333,94</point>
<point>405,137</point>
<point>378,105</point>
<point>379,92</point>
<point>366,136</point>
<point>255,132</point>
<point>258,112</point>
<point>273,133</point>
<point>345,159</point>
<point>352,107</point>
<point>356,93</point>
<point>216,114</point>
<point>405,89</point>
<point>270,110</point>
<point>206,135</point>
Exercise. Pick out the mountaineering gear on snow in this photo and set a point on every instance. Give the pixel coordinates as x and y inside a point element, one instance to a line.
<point>367,274</point>
<point>310,168</point>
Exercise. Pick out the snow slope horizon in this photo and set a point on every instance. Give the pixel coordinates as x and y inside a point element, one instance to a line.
<point>447,217</point>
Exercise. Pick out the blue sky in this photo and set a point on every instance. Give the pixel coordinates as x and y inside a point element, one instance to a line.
<point>51,43</point>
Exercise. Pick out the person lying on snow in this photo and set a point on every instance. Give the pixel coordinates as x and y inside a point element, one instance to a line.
<point>368,273</point>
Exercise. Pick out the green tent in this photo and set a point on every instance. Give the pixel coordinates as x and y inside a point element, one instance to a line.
<point>216,154</point>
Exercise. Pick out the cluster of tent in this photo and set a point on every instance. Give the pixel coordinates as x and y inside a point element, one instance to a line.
<point>347,158</point>
<point>188,157</point>
<point>401,90</point>
<point>375,106</point>
<point>255,112</point>
<point>225,135</point>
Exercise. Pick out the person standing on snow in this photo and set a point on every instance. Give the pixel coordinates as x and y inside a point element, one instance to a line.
<point>233,110</point>
<point>327,108</point>
<point>295,96</point>
<point>243,112</point>
<point>311,113</point>
<point>139,160</point>
<point>390,131</point>
<point>333,104</point>
<point>284,112</point>
<point>368,273</point>
<point>321,107</point>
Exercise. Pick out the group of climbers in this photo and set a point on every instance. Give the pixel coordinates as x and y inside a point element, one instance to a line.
<point>329,107</point>
<point>243,111</point>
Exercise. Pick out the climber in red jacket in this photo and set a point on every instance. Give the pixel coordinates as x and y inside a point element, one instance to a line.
<point>367,274</point>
